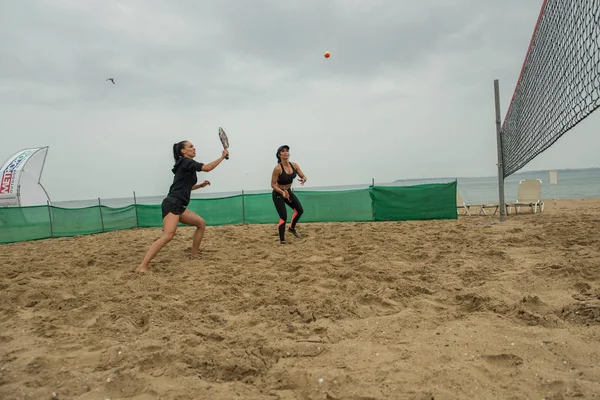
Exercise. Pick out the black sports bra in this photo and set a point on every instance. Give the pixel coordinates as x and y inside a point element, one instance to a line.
<point>284,177</point>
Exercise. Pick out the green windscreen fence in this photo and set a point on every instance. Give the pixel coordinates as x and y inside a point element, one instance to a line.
<point>378,203</point>
<point>433,201</point>
<point>24,223</point>
<point>219,211</point>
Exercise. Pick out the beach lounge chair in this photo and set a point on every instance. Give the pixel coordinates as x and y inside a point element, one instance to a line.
<point>460,204</point>
<point>529,195</point>
<point>482,208</point>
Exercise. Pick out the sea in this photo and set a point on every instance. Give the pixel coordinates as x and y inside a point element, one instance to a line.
<point>571,184</point>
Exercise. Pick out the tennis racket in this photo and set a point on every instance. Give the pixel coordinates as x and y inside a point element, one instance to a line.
<point>224,140</point>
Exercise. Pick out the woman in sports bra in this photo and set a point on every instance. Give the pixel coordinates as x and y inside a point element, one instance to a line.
<point>281,182</point>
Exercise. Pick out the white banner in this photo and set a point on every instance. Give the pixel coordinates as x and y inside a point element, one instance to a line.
<point>20,179</point>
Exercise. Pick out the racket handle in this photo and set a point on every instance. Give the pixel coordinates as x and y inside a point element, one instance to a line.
<point>227,157</point>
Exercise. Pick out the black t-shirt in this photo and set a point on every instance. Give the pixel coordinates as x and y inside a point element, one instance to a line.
<point>185,178</point>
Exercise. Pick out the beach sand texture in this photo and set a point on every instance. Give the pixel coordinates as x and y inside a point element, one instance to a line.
<point>466,309</point>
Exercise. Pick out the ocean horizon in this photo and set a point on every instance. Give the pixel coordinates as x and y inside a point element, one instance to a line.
<point>576,183</point>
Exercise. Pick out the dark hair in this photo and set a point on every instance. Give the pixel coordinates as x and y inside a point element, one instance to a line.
<point>285,146</point>
<point>177,147</point>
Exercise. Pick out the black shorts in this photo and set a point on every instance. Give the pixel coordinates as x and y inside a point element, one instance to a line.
<point>170,205</point>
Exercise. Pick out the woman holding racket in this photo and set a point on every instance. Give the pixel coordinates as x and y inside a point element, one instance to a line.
<point>174,205</point>
<point>281,182</point>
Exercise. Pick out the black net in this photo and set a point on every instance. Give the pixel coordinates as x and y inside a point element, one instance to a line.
<point>559,85</point>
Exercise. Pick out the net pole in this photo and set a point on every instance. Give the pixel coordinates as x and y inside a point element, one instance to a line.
<point>50,217</point>
<point>137,218</point>
<point>101,216</point>
<point>499,145</point>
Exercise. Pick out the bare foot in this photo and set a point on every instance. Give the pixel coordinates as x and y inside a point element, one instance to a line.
<point>141,268</point>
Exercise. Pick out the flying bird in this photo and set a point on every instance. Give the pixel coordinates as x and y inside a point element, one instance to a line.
<point>112,80</point>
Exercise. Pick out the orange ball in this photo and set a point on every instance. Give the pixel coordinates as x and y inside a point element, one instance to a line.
<point>327,54</point>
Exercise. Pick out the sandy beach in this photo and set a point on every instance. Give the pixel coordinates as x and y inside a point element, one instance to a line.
<point>463,309</point>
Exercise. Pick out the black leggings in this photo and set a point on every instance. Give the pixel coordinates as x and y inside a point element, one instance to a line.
<point>280,203</point>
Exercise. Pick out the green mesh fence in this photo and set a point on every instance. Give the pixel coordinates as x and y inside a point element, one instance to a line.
<point>75,221</point>
<point>219,211</point>
<point>26,223</point>
<point>258,209</point>
<point>379,203</point>
<point>333,206</point>
<point>114,219</point>
<point>319,206</point>
<point>432,201</point>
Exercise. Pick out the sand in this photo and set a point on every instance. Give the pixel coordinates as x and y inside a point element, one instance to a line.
<point>466,309</point>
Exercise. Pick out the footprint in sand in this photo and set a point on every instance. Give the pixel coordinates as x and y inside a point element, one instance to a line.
<point>503,360</point>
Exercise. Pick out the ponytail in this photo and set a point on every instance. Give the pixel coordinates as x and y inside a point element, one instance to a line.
<point>177,150</point>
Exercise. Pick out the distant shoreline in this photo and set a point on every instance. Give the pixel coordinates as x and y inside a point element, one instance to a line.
<point>468,184</point>
<point>520,173</point>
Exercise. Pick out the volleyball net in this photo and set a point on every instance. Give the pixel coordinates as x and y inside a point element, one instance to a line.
<point>559,84</point>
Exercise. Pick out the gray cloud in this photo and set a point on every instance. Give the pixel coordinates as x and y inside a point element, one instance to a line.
<point>407,92</point>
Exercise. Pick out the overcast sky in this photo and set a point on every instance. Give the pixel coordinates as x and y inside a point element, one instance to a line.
<point>407,92</point>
